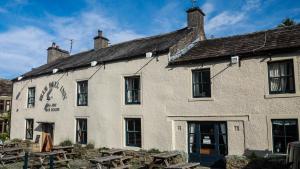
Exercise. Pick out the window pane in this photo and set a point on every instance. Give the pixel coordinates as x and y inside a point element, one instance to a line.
<point>279,144</point>
<point>130,125</point>
<point>206,76</point>
<point>278,128</point>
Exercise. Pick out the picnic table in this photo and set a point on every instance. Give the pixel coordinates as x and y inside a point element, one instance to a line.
<point>68,149</point>
<point>114,151</point>
<point>162,160</point>
<point>115,162</point>
<point>41,159</point>
<point>11,154</point>
<point>9,145</point>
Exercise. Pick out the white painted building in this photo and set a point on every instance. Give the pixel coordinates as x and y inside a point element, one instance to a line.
<point>177,91</point>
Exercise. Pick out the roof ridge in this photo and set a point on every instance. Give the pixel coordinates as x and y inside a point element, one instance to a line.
<point>149,37</point>
<point>255,32</point>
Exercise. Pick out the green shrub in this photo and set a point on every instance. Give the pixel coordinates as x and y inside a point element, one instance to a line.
<point>66,143</point>
<point>4,137</point>
<point>103,148</point>
<point>153,150</point>
<point>16,140</point>
<point>90,146</point>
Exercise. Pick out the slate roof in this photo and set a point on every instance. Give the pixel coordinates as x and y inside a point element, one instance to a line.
<point>275,40</point>
<point>5,87</point>
<point>126,50</point>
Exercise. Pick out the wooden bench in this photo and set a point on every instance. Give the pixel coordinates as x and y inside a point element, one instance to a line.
<point>183,166</point>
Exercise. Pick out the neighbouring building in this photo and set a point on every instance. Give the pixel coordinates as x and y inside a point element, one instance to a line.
<point>5,104</point>
<point>175,91</point>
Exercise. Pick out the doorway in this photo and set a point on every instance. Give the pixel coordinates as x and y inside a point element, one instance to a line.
<point>207,142</point>
<point>47,136</point>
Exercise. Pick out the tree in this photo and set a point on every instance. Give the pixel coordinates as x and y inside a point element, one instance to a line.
<point>287,22</point>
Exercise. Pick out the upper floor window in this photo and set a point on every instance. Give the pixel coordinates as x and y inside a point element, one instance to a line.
<point>281,77</point>
<point>132,90</point>
<point>201,83</point>
<point>31,97</point>
<point>82,93</point>
<point>29,129</point>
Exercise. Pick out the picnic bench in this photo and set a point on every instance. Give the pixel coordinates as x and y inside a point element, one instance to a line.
<point>162,160</point>
<point>115,162</point>
<point>68,149</point>
<point>41,159</point>
<point>183,166</point>
<point>11,155</point>
<point>114,151</point>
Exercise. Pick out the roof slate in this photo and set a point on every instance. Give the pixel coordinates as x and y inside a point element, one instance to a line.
<point>257,42</point>
<point>5,87</point>
<point>125,50</point>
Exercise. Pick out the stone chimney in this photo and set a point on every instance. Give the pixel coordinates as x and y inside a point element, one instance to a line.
<point>55,53</point>
<point>100,41</point>
<point>195,20</point>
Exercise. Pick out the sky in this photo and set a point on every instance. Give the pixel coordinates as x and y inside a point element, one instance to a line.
<point>28,27</point>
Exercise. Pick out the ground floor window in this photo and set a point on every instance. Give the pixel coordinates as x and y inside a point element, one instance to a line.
<point>284,132</point>
<point>29,129</point>
<point>81,131</point>
<point>133,132</point>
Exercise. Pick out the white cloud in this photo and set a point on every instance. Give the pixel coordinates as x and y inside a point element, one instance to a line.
<point>251,5</point>
<point>208,8</point>
<point>25,47</point>
<point>223,21</point>
<point>166,18</point>
<point>22,49</point>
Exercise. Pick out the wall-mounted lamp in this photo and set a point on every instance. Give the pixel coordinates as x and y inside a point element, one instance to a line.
<point>94,63</point>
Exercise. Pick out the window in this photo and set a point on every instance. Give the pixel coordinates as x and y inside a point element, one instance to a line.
<point>284,132</point>
<point>132,90</point>
<point>31,97</point>
<point>2,106</point>
<point>29,129</point>
<point>81,131</point>
<point>7,105</point>
<point>281,77</point>
<point>133,132</point>
<point>201,83</point>
<point>82,93</point>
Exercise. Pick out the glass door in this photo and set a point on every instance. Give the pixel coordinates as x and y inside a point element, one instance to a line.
<point>207,142</point>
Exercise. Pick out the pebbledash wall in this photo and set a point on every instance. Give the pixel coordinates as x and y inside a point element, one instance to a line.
<point>239,97</point>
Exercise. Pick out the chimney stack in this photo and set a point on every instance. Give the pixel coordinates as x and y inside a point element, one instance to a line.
<point>100,41</point>
<point>195,20</point>
<point>55,53</point>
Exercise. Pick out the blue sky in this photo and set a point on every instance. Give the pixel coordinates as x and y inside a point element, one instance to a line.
<point>27,27</point>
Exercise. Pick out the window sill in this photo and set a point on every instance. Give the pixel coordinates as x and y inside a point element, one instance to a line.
<point>200,99</point>
<point>272,96</point>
